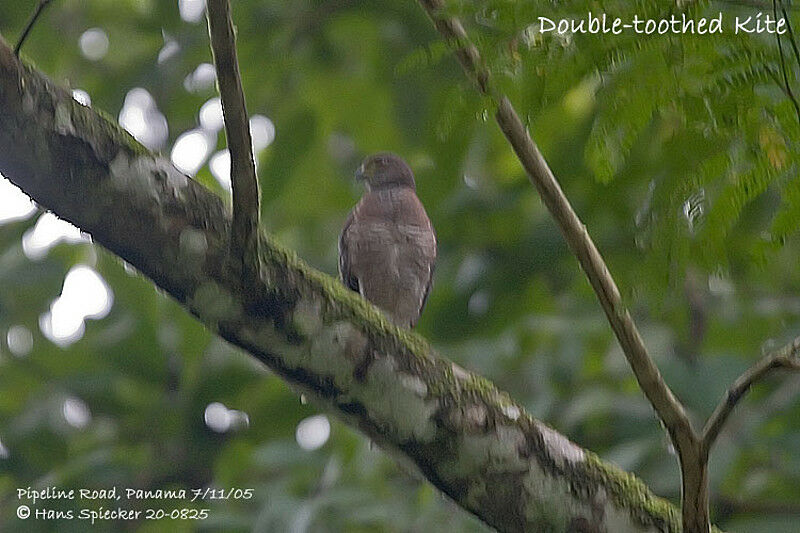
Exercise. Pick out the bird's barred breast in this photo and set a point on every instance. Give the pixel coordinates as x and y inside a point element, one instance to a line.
<point>391,251</point>
<point>393,264</point>
<point>393,267</point>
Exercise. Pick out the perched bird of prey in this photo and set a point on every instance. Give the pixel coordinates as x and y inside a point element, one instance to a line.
<point>387,249</point>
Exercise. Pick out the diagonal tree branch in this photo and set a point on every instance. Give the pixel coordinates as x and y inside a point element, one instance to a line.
<point>786,358</point>
<point>694,466</point>
<point>244,183</point>
<point>691,448</point>
<point>466,437</point>
<point>668,408</point>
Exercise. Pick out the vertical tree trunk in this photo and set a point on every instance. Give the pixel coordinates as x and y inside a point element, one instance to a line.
<point>694,473</point>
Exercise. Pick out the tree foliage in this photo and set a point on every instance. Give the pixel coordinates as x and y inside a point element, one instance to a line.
<point>679,153</point>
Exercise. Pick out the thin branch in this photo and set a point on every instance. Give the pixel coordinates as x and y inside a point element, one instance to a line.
<point>787,85</point>
<point>785,358</point>
<point>29,26</point>
<point>775,77</point>
<point>694,468</point>
<point>244,183</point>
<point>667,406</point>
<point>790,33</point>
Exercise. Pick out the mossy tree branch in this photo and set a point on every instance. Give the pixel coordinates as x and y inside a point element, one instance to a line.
<point>469,439</point>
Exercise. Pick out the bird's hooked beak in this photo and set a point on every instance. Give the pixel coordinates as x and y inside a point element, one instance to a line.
<point>360,173</point>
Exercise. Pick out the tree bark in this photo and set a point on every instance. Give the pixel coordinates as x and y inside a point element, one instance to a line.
<point>694,492</point>
<point>469,439</point>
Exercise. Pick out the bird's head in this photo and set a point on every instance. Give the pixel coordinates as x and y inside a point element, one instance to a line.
<point>385,170</point>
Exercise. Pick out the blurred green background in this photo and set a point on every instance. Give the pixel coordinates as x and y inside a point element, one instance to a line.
<point>678,152</point>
